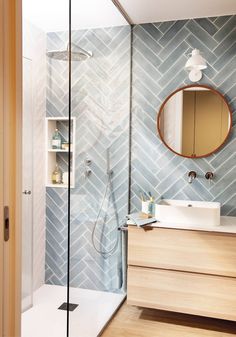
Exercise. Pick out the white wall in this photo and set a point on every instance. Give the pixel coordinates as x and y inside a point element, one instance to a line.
<point>34,48</point>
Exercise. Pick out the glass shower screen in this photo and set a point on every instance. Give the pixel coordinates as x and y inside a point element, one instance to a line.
<point>100,113</point>
<point>45,195</point>
<point>76,125</point>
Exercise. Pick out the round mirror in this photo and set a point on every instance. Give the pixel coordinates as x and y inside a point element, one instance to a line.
<point>194,121</point>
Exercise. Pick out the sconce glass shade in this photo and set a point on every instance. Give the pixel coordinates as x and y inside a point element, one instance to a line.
<point>196,61</point>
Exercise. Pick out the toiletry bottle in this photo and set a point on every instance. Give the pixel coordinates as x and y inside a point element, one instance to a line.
<point>57,175</point>
<point>56,140</point>
<point>151,206</point>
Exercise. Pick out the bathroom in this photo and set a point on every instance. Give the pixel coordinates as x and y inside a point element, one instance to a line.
<point>123,231</point>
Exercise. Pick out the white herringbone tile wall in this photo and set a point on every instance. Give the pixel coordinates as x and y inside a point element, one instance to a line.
<point>34,49</point>
<point>100,103</point>
<point>160,53</point>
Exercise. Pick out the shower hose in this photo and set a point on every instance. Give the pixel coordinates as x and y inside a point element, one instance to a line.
<point>106,253</point>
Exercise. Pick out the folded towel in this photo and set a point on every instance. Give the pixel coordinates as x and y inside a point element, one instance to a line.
<point>138,220</point>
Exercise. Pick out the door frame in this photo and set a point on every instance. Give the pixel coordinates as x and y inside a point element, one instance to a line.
<point>1,167</point>
<point>10,156</point>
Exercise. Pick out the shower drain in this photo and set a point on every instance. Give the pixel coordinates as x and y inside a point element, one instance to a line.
<point>70,306</point>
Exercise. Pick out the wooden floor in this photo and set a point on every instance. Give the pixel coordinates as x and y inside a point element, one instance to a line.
<point>139,322</point>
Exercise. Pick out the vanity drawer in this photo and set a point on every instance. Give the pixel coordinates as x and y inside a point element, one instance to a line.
<point>198,294</point>
<point>193,251</point>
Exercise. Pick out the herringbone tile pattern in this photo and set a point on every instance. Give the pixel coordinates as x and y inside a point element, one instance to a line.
<point>100,98</point>
<point>100,103</point>
<point>34,49</point>
<point>160,53</point>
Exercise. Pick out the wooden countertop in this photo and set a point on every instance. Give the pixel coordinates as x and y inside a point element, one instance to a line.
<point>228,225</point>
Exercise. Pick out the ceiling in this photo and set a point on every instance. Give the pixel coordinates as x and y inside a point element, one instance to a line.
<point>143,11</point>
<point>52,15</point>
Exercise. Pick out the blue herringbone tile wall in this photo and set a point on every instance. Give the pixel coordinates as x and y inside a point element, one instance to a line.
<point>159,57</point>
<point>100,103</point>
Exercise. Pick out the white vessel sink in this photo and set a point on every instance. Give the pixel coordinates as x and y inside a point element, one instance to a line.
<point>188,212</point>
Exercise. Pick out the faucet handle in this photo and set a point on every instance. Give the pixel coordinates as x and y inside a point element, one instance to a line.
<point>209,175</point>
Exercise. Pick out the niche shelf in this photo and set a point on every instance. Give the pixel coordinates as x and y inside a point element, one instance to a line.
<point>59,156</point>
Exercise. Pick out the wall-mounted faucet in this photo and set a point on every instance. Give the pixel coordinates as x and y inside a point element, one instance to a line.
<point>191,176</point>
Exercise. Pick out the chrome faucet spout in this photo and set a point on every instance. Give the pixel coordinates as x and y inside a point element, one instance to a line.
<point>191,176</point>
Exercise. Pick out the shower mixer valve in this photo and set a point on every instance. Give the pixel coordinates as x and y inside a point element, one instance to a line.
<point>110,172</point>
<point>87,163</point>
<point>87,172</point>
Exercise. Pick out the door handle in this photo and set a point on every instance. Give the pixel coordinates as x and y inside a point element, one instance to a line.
<point>6,224</point>
<point>27,192</point>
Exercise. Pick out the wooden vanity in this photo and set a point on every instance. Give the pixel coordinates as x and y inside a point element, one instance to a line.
<point>188,271</point>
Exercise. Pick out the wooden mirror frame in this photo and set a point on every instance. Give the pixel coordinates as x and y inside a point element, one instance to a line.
<point>194,86</point>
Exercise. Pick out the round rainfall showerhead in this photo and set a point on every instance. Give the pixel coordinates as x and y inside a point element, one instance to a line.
<point>77,54</point>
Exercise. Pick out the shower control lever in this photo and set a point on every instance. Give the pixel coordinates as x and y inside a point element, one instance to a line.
<point>87,172</point>
<point>88,162</point>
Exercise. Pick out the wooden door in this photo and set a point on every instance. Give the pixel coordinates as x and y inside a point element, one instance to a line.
<point>208,122</point>
<point>1,168</point>
<point>188,123</point>
<point>10,164</point>
<point>205,122</point>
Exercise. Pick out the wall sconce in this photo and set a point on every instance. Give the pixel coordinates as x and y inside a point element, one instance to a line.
<point>195,64</point>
